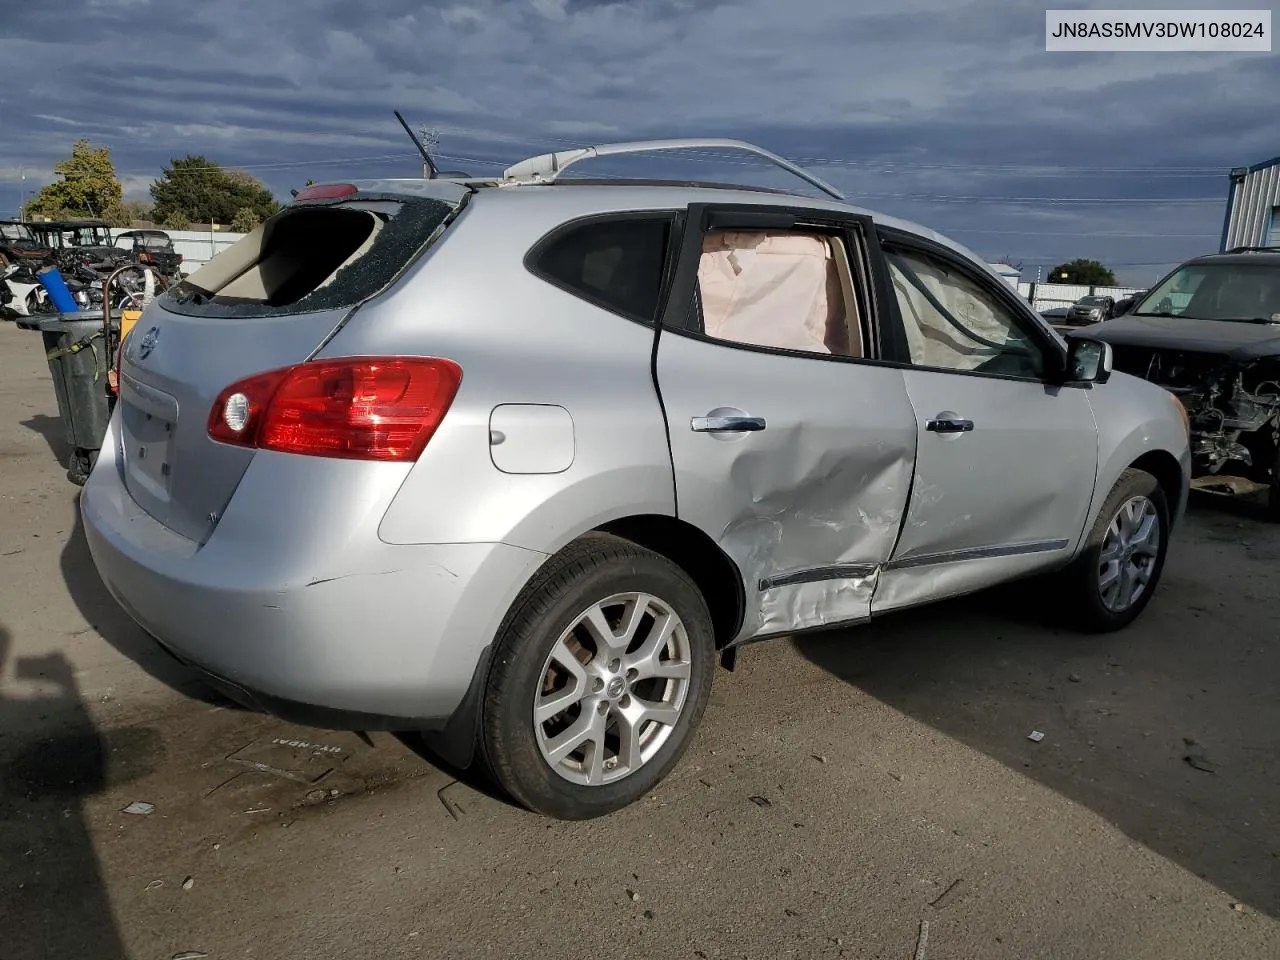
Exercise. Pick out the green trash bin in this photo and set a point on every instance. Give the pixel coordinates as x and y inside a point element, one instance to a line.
<point>78,360</point>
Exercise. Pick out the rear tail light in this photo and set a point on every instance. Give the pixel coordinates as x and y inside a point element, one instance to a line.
<point>356,408</point>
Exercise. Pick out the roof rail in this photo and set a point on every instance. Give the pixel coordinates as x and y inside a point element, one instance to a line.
<point>547,167</point>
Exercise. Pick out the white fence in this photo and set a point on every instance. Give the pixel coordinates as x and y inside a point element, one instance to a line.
<point>197,247</point>
<point>1047,296</point>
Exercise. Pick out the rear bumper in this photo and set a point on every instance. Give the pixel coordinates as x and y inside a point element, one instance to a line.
<point>371,636</point>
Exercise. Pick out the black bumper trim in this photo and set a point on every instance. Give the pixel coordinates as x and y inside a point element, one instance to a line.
<point>307,714</point>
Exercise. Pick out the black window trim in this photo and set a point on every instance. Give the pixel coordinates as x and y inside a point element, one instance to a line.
<point>1054,354</point>
<point>862,248</point>
<point>674,220</point>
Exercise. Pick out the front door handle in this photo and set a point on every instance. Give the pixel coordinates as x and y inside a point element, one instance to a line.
<point>950,425</point>
<point>726,424</point>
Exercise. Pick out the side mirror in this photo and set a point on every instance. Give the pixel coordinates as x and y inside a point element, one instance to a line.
<point>1088,360</point>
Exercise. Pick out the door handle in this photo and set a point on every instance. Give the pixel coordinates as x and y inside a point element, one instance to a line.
<point>949,426</point>
<point>726,424</point>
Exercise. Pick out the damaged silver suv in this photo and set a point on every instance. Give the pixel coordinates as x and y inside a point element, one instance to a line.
<point>512,461</point>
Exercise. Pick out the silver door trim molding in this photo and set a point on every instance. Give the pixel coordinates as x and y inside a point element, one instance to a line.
<point>841,571</point>
<point>978,553</point>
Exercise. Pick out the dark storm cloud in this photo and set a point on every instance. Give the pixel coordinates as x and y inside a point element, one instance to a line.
<point>926,101</point>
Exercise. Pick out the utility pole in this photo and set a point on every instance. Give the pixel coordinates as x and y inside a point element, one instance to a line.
<point>22,197</point>
<point>428,166</point>
<point>430,139</point>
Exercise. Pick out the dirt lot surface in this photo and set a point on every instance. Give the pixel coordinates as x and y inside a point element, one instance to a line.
<point>864,793</point>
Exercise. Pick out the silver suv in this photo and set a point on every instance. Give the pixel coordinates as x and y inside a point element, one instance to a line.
<point>512,461</point>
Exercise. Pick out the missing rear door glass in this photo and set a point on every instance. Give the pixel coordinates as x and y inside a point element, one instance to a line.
<point>308,259</point>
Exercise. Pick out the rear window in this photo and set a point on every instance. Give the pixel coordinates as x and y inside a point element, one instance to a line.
<point>616,263</point>
<point>307,259</point>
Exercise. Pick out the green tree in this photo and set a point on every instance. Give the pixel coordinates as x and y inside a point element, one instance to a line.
<point>175,220</point>
<point>88,187</point>
<point>128,212</point>
<point>200,190</point>
<point>1082,271</point>
<point>245,220</point>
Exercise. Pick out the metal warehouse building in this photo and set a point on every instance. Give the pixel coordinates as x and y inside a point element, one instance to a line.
<point>1253,207</point>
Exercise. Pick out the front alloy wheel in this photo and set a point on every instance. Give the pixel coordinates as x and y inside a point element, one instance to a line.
<point>1113,578</point>
<point>1129,552</point>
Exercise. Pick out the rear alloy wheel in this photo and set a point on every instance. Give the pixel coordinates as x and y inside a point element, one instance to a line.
<point>601,674</point>
<point>1112,580</point>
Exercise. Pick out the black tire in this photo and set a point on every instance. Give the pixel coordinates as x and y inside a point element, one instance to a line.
<point>588,571</point>
<point>1081,593</point>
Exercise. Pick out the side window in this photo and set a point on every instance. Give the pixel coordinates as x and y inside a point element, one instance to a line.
<point>783,289</point>
<point>617,264</point>
<point>953,323</point>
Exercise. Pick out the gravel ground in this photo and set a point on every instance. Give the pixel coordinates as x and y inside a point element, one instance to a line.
<point>850,794</point>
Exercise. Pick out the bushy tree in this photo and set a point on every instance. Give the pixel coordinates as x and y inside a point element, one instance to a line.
<point>1089,272</point>
<point>245,220</point>
<point>127,213</point>
<point>175,220</point>
<point>198,189</point>
<point>88,188</point>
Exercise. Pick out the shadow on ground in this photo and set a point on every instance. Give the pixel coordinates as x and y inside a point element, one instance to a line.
<point>1167,729</point>
<point>115,626</point>
<point>55,902</point>
<point>54,434</point>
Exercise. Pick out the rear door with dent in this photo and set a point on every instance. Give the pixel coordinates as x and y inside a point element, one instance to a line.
<point>792,446</point>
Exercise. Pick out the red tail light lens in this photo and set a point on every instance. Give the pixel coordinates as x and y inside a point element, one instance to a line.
<point>327,191</point>
<point>357,408</point>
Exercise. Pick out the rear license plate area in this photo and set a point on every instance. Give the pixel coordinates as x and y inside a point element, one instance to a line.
<point>148,424</point>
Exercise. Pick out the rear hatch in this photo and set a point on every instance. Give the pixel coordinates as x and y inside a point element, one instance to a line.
<point>271,300</point>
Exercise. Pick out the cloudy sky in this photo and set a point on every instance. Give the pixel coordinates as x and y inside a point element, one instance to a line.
<point>945,112</point>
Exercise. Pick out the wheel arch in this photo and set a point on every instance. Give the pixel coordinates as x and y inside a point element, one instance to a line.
<point>715,574</point>
<point>1164,466</point>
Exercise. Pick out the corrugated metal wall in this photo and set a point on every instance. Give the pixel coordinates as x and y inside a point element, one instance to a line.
<point>1253,199</point>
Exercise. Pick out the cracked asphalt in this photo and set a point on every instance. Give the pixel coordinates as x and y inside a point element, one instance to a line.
<point>861,793</point>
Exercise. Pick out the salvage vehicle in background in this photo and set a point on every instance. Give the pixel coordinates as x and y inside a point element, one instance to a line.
<point>1209,333</point>
<point>1126,303</point>
<point>511,461</point>
<point>1089,310</point>
<point>80,242</point>
<point>19,245</point>
<point>152,247</point>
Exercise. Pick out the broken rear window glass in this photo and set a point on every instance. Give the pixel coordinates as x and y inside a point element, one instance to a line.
<point>311,258</point>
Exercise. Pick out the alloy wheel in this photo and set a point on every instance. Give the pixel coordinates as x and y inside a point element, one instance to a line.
<point>612,689</point>
<point>1130,551</point>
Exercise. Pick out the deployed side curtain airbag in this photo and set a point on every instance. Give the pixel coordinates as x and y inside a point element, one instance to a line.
<point>947,320</point>
<point>770,289</point>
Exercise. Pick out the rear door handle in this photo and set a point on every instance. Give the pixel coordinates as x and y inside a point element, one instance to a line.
<point>726,424</point>
<point>949,426</point>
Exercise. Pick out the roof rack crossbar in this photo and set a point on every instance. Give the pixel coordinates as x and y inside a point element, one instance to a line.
<point>1265,249</point>
<point>547,167</point>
